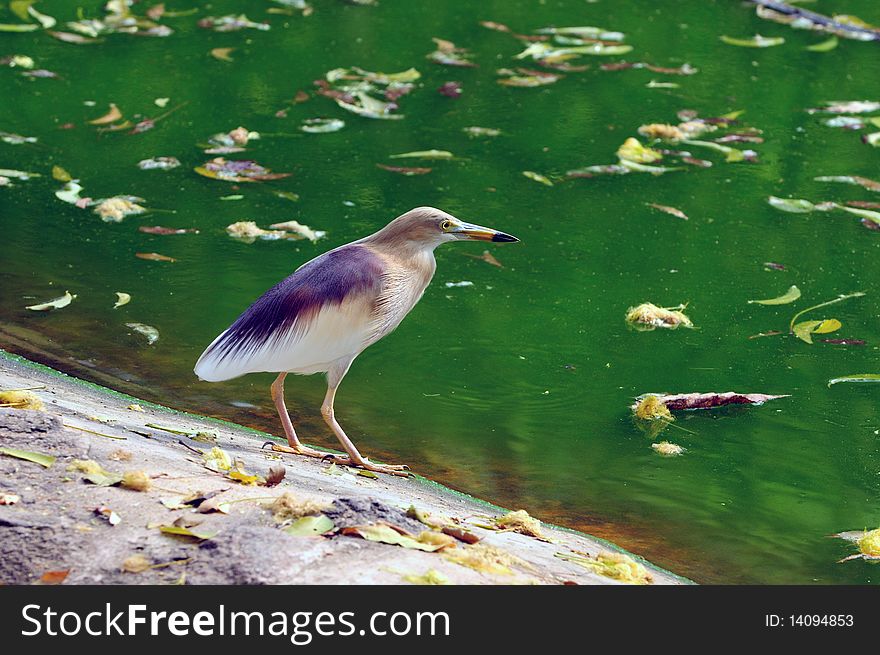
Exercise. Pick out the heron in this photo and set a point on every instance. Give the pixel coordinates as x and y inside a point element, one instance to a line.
<point>320,318</point>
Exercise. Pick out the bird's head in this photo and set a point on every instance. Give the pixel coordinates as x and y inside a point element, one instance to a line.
<point>429,227</point>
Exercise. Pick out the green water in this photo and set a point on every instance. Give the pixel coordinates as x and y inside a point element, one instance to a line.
<point>515,389</point>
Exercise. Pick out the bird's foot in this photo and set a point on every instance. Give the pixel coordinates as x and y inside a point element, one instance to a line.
<point>303,450</point>
<point>401,470</point>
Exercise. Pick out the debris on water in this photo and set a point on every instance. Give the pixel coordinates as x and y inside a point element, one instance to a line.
<point>111,116</point>
<point>56,303</point>
<point>450,89</point>
<point>650,407</point>
<point>356,90</point>
<point>756,41</point>
<point>849,27</point>
<point>673,211</point>
<point>868,543</point>
<point>523,77</point>
<point>864,182</point>
<point>773,266</point>
<point>122,298</point>
<point>463,283</point>
<point>537,177</point>
<point>667,449</point>
<point>296,229</point>
<point>159,163</point>
<point>689,401</point>
<point>322,125</point>
<point>222,54</point>
<point>448,54</point>
<point>158,229</point>
<point>113,210</point>
<point>148,331</point>
<point>237,171</point>
<point>231,23</point>
<point>475,131</point>
<point>858,377</point>
<point>406,170</point>
<point>154,257</point>
<point>248,232</point>
<point>649,316</point>
<point>423,154</point>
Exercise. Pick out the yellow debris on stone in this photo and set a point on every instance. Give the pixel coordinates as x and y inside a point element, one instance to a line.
<point>435,538</point>
<point>616,566</point>
<point>136,481</point>
<point>648,316</point>
<point>520,521</point>
<point>288,507</point>
<point>21,400</point>
<point>484,558</point>
<point>429,577</point>
<point>136,564</point>
<point>136,408</point>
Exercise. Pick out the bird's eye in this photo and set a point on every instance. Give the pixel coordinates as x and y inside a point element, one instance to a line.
<point>445,225</point>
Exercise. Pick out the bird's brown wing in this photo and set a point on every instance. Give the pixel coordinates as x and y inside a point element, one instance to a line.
<point>328,294</point>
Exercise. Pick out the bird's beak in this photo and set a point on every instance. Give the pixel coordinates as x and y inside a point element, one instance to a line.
<point>480,233</point>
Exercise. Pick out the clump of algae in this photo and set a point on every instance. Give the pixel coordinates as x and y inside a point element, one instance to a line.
<point>20,400</point>
<point>667,449</point>
<point>288,507</point>
<point>869,543</point>
<point>616,566</point>
<point>652,408</point>
<point>649,316</point>
<point>520,521</point>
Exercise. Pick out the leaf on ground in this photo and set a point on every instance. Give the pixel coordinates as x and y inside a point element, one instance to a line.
<point>57,303</point>
<point>276,475</point>
<point>148,331</point>
<point>789,296</point>
<point>756,41</point>
<point>54,577</point>
<point>384,533</point>
<point>196,532</point>
<point>858,377</point>
<point>673,211</point>
<point>111,116</point>
<point>94,473</point>
<point>108,515</point>
<point>688,401</point>
<point>405,170</point>
<point>310,526</point>
<point>37,458</point>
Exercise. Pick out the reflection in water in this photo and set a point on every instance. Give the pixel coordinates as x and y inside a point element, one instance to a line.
<point>515,389</point>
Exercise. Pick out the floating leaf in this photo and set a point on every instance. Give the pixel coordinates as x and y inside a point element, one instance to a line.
<point>667,449</point>
<point>110,117</point>
<point>793,205</point>
<point>159,163</point>
<point>37,458</point>
<point>475,131</point>
<point>858,377</point>
<point>847,107</point>
<point>673,211</point>
<point>864,182</point>
<point>231,23</point>
<point>60,174</point>
<point>18,27</point>
<point>57,303</point>
<point>122,298</point>
<point>789,296</point>
<point>222,54</point>
<point>113,210</point>
<point>248,232</point>
<point>756,41</point>
<point>154,257</point>
<point>450,89</point>
<point>840,298</point>
<point>824,46</point>
<point>151,333</point>
<point>537,177</point>
<point>322,125</point>
<point>237,171</point>
<point>806,329</point>
<point>158,229</point>
<point>423,154</point>
<point>296,229</point>
<point>310,526</point>
<point>406,170</point>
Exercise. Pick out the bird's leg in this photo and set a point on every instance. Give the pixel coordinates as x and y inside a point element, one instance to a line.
<point>355,458</point>
<point>296,446</point>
